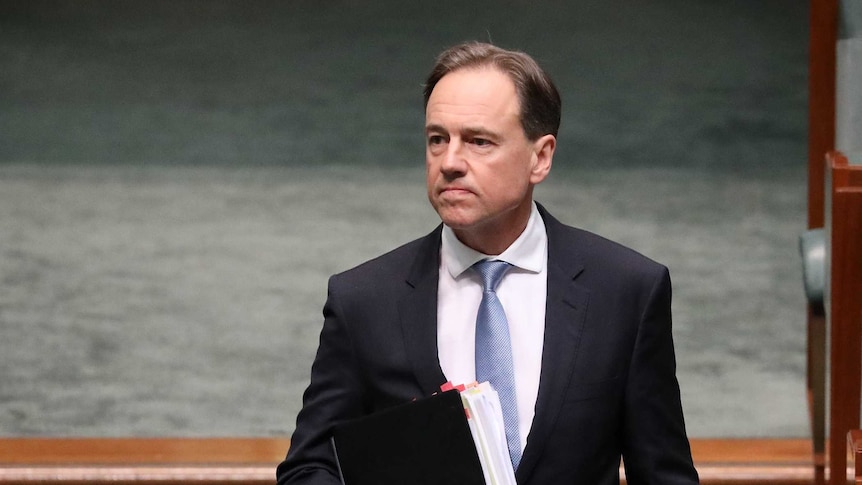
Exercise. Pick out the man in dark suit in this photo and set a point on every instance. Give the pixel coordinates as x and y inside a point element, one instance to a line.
<point>589,354</point>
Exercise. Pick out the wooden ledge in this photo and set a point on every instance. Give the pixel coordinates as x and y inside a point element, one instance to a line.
<point>222,461</point>
<point>753,461</point>
<point>142,451</point>
<point>120,461</point>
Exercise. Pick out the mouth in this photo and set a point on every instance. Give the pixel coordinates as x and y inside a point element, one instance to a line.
<point>454,192</point>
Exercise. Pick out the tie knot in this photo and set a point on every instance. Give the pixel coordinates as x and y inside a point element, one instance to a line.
<point>492,272</point>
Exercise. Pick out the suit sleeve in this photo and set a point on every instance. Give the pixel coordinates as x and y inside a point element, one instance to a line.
<point>655,448</point>
<point>334,394</point>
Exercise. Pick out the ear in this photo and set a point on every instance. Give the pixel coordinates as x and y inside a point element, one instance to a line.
<point>543,156</point>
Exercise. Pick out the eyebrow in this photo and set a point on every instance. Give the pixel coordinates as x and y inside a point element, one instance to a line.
<point>467,131</point>
<point>433,128</point>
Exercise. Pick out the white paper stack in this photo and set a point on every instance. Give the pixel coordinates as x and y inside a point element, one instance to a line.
<point>485,418</point>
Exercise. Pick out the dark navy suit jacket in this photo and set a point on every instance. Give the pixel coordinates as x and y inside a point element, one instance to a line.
<point>608,383</point>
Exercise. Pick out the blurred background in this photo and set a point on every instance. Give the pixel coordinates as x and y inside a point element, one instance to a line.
<point>179,178</point>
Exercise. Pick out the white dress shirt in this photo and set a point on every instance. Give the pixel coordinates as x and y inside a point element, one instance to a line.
<point>522,292</point>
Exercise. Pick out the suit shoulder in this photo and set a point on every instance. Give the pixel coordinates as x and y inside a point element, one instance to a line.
<point>607,255</point>
<point>602,244</point>
<point>592,250</point>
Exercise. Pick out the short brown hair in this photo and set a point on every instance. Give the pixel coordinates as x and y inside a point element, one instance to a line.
<point>538,97</point>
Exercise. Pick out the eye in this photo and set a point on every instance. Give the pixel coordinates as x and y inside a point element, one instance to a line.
<point>481,142</point>
<point>436,140</point>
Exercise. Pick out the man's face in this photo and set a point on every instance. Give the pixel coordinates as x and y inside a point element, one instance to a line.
<point>480,166</point>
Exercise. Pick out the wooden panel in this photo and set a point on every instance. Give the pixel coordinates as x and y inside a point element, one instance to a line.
<point>139,451</point>
<point>823,36</point>
<point>753,461</point>
<point>740,451</point>
<point>844,310</point>
<point>854,460</point>
<point>220,461</point>
<point>823,25</point>
<point>78,461</point>
<point>123,475</point>
<point>816,390</point>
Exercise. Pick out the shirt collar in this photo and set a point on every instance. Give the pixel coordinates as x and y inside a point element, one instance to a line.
<point>528,252</point>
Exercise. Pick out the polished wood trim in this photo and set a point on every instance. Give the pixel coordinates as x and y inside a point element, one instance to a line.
<point>118,475</point>
<point>127,461</point>
<point>751,451</point>
<point>753,461</point>
<point>138,451</point>
<point>218,461</point>
<point>823,35</point>
<point>844,222</point>
<point>854,460</point>
<point>816,389</point>
<point>709,474</point>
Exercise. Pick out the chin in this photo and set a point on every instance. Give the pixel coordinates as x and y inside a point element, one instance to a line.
<point>456,221</point>
<point>459,215</point>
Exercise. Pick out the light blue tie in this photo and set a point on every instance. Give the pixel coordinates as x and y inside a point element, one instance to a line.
<point>494,351</point>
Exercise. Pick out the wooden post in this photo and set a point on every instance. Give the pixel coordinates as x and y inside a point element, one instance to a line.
<point>854,461</point>
<point>844,306</point>
<point>823,34</point>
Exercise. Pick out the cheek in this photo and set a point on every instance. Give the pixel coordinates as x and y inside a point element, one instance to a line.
<point>512,178</point>
<point>503,191</point>
<point>430,169</point>
<point>431,175</point>
<point>432,162</point>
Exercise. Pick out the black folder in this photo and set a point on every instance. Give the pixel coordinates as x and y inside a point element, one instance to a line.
<point>423,442</point>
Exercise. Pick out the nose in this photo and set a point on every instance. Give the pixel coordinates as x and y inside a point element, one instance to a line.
<point>454,163</point>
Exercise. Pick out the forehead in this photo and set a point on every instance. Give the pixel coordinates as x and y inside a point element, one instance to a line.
<point>482,90</point>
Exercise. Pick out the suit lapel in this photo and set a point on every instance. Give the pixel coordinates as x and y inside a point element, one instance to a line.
<point>418,312</point>
<point>565,314</point>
